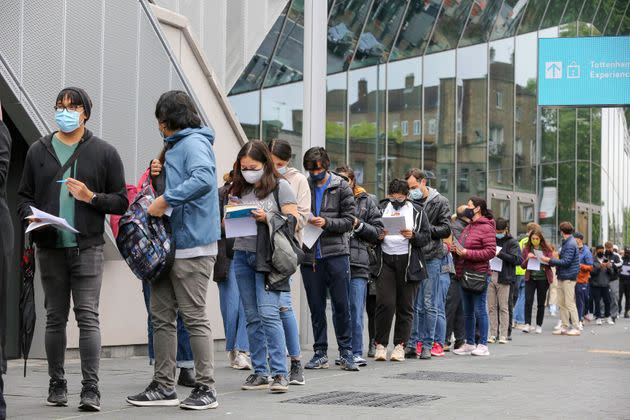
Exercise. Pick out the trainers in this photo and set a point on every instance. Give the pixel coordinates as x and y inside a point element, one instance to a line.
<point>411,353</point>
<point>279,385</point>
<point>538,329</point>
<point>398,355</point>
<point>232,357</point>
<point>446,346</point>
<point>296,376</point>
<point>201,398</point>
<point>573,332</point>
<point>348,363</point>
<point>481,350</point>
<point>492,339</point>
<point>360,361</point>
<point>154,395</point>
<point>525,328</point>
<point>558,326</point>
<point>90,398</point>
<point>187,377</point>
<point>560,331</point>
<point>599,321</point>
<point>319,361</point>
<point>371,349</point>
<point>580,326</point>
<point>464,350</point>
<point>503,340</point>
<point>609,321</point>
<point>437,350</point>
<point>242,362</point>
<point>255,381</point>
<point>589,317</point>
<point>426,353</point>
<point>419,348</point>
<point>381,353</point>
<point>57,393</point>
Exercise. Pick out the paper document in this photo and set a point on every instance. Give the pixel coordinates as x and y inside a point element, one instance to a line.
<point>311,235</point>
<point>168,211</point>
<point>539,254</point>
<point>394,224</point>
<point>46,219</point>
<point>533,264</point>
<point>496,264</point>
<point>239,221</point>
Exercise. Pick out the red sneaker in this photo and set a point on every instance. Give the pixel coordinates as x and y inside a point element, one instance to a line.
<point>437,350</point>
<point>419,348</point>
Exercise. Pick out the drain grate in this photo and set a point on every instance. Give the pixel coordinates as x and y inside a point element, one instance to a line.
<point>364,399</point>
<point>428,375</point>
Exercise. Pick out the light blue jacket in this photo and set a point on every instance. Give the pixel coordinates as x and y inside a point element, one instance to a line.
<point>191,188</point>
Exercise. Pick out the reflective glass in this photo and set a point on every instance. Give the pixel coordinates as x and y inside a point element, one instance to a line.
<point>624,28</point>
<point>525,151</point>
<point>548,187</point>
<point>616,17</point>
<point>416,29</point>
<point>501,97</point>
<point>549,138</point>
<point>472,82</point>
<point>246,106</point>
<point>601,17</point>
<point>586,17</point>
<point>566,165</point>
<point>450,25</point>
<point>479,26</point>
<point>404,133</point>
<point>554,13</point>
<point>282,111</point>
<point>508,19</point>
<point>288,58</point>
<point>533,15</point>
<point>380,30</point>
<point>344,27</point>
<point>597,229</point>
<point>367,127</point>
<point>572,11</point>
<point>584,155</point>
<point>439,120</point>
<point>336,107</point>
<point>596,156</point>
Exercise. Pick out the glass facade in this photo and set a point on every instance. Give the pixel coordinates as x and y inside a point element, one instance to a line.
<point>450,86</point>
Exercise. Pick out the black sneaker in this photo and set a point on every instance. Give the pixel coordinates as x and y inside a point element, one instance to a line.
<point>410,353</point>
<point>296,376</point>
<point>348,363</point>
<point>279,385</point>
<point>319,361</point>
<point>57,393</point>
<point>156,394</point>
<point>90,398</point>
<point>187,378</point>
<point>426,353</point>
<point>201,398</point>
<point>255,381</point>
<point>371,349</point>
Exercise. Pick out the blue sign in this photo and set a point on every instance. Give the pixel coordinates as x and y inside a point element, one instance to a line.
<point>590,71</point>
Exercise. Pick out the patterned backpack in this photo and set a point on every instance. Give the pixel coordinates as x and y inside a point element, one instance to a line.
<point>145,242</point>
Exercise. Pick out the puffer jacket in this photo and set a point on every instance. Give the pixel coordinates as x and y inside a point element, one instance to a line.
<point>439,215</point>
<point>338,210</point>
<point>479,239</point>
<point>510,254</point>
<point>601,277</point>
<point>568,265</point>
<point>364,237</point>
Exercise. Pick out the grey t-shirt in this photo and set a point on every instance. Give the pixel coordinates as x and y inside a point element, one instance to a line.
<point>285,196</point>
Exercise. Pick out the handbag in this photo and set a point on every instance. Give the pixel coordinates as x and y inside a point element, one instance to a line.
<point>474,281</point>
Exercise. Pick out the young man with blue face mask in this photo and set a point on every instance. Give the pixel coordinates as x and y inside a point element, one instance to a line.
<point>72,174</point>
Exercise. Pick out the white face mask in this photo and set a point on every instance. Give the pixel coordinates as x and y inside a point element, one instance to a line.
<point>283,169</point>
<point>252,176</point>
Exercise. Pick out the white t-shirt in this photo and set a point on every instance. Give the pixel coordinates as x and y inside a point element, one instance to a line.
<point>397,244</point>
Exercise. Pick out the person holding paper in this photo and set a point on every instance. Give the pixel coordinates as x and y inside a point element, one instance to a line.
<point>582,289</point>
<point>603,272</point>
<point>71,264</point>
<point>537,280</point>
<point>402,269</point>
<point>502,276</point>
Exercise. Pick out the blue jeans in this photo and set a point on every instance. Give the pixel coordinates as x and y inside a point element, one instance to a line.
<point>425,310</point>
<point>519,307</point>
<point>184,351</point>
<point>581,299</point>
<point>233,313</point>
<point>262,311</point>
<point>357,292</point>
<point>476,310</point>
<point>440,301</point>
<point>289,324</point>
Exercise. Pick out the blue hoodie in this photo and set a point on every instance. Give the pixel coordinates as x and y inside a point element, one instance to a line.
<point>191,188</point>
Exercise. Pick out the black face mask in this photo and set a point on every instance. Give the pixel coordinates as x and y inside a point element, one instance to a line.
<point>600,254</point>
<point>396,204</point>
<point>608,253</point>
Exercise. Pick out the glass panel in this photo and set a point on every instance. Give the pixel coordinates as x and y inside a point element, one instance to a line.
<point>367,121</point>
<point>548,200</point>
<point>472,92</point>
<point>624,28</point>
<point>336,106</point>
<point>404,90</point>
<point>439,120</point>
<point>450,25</point>
<point>282,110</point>
<point>479,26</point>
<point>526,156</point>
<point>566,139</point>
<point>253,75</point>
<point>601,17</point>
<point>586,17</point>
<point>616,17</point>
<point>572,11</point>
<point>344,26</point>
<point>583,181</point>
<point>501,97</point>
<point>507,21</point>
<point>246,106</point>
<point>526,214</point>
<point>549,121</point>
<point>582,225</point>
<point>596,156</point>
<point>416,28</point>
<point>533,15</point>
<point>584,134</point>
<point>500,208</point>
<point>554,13</point>
<point>597,229</point>
<point>566,166</point>
<point>288,59</point>
<point>380,30</point>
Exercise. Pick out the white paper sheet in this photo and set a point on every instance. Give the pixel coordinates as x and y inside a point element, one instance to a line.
<point>46,219</point>
<point>311,235</point>
<point>239,227</point>
<point>496,264</point>
<point>394,224</point>
<point>533,264</point>
<point>538,253</point>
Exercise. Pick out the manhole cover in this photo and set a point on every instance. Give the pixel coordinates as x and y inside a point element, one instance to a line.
<point>364,399</point>
<point>428,375</point>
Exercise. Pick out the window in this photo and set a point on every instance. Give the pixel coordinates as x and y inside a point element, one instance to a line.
<point>394,125</point>
<point>404,128</point>
<point>463,182</point>
<point>518,114</point>
<point>499,100</point>
<point>432,126</point>
<point>444,180</point>
<point>417,128</point>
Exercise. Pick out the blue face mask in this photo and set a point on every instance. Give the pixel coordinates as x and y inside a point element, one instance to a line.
<point>415,194</point>
<point>67,121</point>
<point>318,177</point>
<point>500,235</point>
<point>283,169</point>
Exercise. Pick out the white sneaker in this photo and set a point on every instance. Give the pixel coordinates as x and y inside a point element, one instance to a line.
<point>539,330</point>
<point>398,355</point>
<point>580,326</point>
<point>242,362</point>
<point>573,332</point>
<point>558,326</point>
<point>609,321</point>
<point>589,317</point>
<point>381,353</point>
<point>525,328</point>
<point>492,339</point>
<point>232,357</point>
<point>464,350</point>
<point>599,321</point>
<point>481,350</point>
<point>502,340</point>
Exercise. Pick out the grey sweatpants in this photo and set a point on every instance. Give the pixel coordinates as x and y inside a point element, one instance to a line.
<point>78,273</point>
<point>184,291</point>
<point>614,298</point>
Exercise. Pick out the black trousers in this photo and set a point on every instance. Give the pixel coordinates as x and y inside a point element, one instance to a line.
<point>370,308</point>
<point>394,296</point>
<point>624,290</point>
<point>599,293</point>
<point>454,312</point>
<point>538,288</point>
<point>513,297</point>
<point>3,404</point>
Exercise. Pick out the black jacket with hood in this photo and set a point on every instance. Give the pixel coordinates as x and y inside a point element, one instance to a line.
<point>438,213</point>
<point>6,237</point>
<point>510,254</point>
<point>98,166</point>
<point>364,237</point>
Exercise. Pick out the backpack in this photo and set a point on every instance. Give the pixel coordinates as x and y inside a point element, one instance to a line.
<point>145,242</point>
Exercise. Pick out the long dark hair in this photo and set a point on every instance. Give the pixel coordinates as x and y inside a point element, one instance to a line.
<point>258,151</point>
<point>281,149</point>
<point>481,203</point>
<point>543,243</point>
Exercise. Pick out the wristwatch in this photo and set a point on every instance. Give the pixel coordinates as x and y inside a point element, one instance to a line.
<point>93,198</point>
